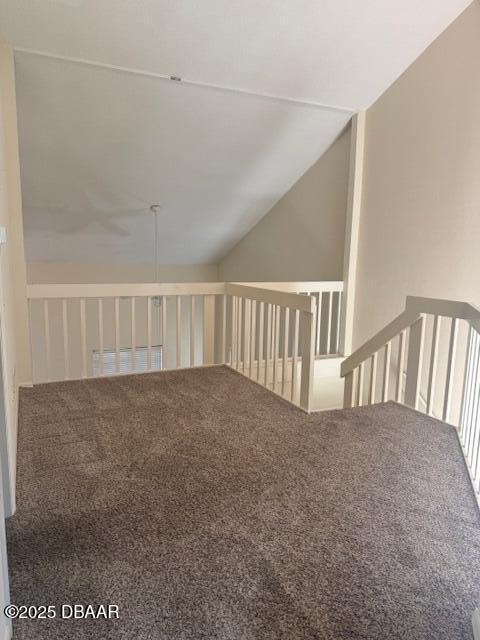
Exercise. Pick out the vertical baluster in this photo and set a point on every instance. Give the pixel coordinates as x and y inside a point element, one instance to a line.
<point>414,362</point>
<point>133,335</point>
<point>276,345</point>
<point>386,371</point>
<point>466,381</point>
<point>296,314</point>
<point>149,333</point>
<point>246,335</point>
<point>66,350</point>
<point>432,374</point>
<point>470,389</point>
<point>474,425</point>
<point>164,332</point>
<point>318,325</point>
<point>46,322</point>
<point>286,336</point>
<point>261,318</point>
<point>476,439</point>
<point>209,329</point>
<point>452,348</point>
<point>474,391</point>
<point>268,342</point>
<point>355,380</point>
<point>253,319</point>
<point>400,365</point>
<point>100,335</point>
<point>472,441</point>
<point>329,322</point>
<point>361,371</point>
<point>192,331</point>
<point>239,332</point>
<point>83,337</point>
<point>338,322</point>
<point>349,390</point>
<point>373,377</point>
<point>223,353</point>
<point>178,333</point>
<point>272,348</point>
<point>474,405</point>
<point>233,335</point>
<point>117,335</point>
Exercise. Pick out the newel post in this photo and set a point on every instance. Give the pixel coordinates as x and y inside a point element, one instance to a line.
<point>307,324</point>
<point>209,329</point>
<point>348,391</point>
<point>414,362</point>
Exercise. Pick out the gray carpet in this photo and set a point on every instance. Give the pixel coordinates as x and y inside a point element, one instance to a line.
<point>207,508</point>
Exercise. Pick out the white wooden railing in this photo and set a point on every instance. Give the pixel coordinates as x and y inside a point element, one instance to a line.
<point>329,299</point>
<point>273,339</point>
<point>429,359</point>
<point>71,323</point>
<point>270,332</point>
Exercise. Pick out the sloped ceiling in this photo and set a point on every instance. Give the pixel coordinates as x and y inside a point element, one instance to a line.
<point>98,146</point>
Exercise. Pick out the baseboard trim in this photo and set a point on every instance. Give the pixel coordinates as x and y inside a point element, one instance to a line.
<point>122,374</point>
<point>8,631</point>
<point>476,624</point>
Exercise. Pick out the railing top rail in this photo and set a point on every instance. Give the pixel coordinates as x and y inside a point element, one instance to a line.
<point>399,324</point>
<point>281,298</point>
<point>286,297</point>
<point>445,308</point>
<point>50,291</point>
<point>107,290</point>
<point>297,287</point>
<point>414,307</point>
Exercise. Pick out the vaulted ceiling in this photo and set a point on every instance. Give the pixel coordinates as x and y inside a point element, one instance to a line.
<point>100,144</point>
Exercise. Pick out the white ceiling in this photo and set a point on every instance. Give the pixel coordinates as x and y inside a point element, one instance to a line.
<point>98,146</point>
<point>341,52</point>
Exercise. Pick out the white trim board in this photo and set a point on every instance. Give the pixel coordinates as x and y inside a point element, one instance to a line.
<point>188,81</point>
<point>352,229</point>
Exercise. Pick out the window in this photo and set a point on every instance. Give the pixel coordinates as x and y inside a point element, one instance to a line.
<point>125,360</point>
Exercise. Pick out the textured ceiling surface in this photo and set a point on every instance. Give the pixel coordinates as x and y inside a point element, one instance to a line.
<point>99,146</point>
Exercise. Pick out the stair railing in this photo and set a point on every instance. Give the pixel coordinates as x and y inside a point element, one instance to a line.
<point>272,339</point>
<point>427,358</point>
<point>329,299</point>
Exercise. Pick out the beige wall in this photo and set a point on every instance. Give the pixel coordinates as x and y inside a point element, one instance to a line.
<point>302,237</point>
<point>420,220</point>
<point>87,273</point>
<point>14,219</point>
<point>14,330</point>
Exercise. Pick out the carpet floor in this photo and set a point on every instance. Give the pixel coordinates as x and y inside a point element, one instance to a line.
<point>207,508</point>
